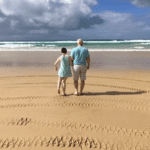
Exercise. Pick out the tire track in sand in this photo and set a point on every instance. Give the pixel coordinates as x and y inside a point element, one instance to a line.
<point>102,99</point>
<point>77,104</point>
<point>96,99</point>
<point>58,97</point>
<point>106,130</point>
<point>70,141</point>
<point>98,102</point>
<point>116,78</point>
<point>24,98</point>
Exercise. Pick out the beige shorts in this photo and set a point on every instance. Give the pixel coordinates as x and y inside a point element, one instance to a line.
<point>79,71</point>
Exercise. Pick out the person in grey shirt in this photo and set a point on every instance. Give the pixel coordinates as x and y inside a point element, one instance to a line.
<point>80,57</point>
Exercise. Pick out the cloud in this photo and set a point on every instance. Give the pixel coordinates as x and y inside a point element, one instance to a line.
<point>115,26</point>
<point>141,3</point>
<point>13,23</point>
<point>88,22</point>
<point>23,17</point>
<point>66,19</point>
<point>122,26</point>
<point>61,14</point>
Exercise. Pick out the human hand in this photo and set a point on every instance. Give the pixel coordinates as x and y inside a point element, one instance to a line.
<point>56,68</point>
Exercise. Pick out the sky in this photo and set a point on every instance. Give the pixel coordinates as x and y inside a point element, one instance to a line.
<point>45,20</point>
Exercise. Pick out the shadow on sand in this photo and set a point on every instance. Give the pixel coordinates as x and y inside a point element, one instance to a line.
<point>112,93</point>
<point>108,93</point>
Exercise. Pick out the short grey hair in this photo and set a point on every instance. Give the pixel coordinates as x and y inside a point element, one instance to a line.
<point>80,41</point>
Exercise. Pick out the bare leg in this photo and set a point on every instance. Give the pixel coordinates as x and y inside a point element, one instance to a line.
<point>58,85</point>
<point>64,86</point>
<point>82,86</point>
<point>76,87</point>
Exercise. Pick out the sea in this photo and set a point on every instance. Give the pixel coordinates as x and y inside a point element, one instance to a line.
<point>92,45</point>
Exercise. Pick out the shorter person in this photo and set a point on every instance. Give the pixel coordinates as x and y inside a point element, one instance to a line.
<point>64,71</point>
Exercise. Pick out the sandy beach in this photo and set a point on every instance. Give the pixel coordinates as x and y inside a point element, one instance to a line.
<point>113,114</point>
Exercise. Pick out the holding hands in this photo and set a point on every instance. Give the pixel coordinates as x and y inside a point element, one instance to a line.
<point>56,63</point>
<point>56,68</point>
<point>88,67</point>
<point>88,62</point>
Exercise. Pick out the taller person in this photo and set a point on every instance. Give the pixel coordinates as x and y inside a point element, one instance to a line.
<point>81,62</point>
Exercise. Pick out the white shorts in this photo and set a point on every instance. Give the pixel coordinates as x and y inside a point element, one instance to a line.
<point>79,70</point>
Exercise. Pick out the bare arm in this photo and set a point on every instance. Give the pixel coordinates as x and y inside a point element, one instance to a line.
<point>56,63</point>
<point>71,61</point>
<point>88,61</point>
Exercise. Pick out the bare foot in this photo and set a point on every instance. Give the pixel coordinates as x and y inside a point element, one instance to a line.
<point>76,93</point>
<point>58,90</point>
<point>64,95</point>
<point>81,94</point>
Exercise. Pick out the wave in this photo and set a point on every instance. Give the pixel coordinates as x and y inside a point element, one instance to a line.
<point>114,44</point>
<point>145,43</point>
<point>86,41</point>
<point>139,47</point>
<point>50,45</point>
<point>24,45</point>
<point>16,45</point>
<point>139,41</point>
<point>115,41</point>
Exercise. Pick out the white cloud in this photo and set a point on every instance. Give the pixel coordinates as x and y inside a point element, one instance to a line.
<point>121,25</point>
<point>114,17</point>
<point>27,18</point>
<point>70,19</point>
<point>22,7</point>
<point>66,1</point>
<point>141,3</point>
<point>54,13</point>
<point>115,26</point>
<point>147,28</point>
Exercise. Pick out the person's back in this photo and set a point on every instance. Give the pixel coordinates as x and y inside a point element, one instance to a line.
<point>80,54</point>
<point>64,67</point>
<point>64,71</point>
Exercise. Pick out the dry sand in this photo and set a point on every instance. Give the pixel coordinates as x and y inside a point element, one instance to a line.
<point>114,113</point>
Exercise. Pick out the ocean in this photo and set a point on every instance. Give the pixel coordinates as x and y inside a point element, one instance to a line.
<point>97,45</point>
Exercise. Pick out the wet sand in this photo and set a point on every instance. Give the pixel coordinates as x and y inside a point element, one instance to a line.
<point>99,59</point>
<point>113,113</point>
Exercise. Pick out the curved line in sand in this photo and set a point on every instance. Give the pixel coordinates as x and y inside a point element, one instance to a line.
<point>147,81</point>
<point>79,104</point>
<point>71,142</point>
<point>115,131</point>
<point>124,103</point>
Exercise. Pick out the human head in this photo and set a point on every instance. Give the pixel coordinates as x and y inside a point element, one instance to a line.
<point>79,42</point>
<point>64,50</point>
